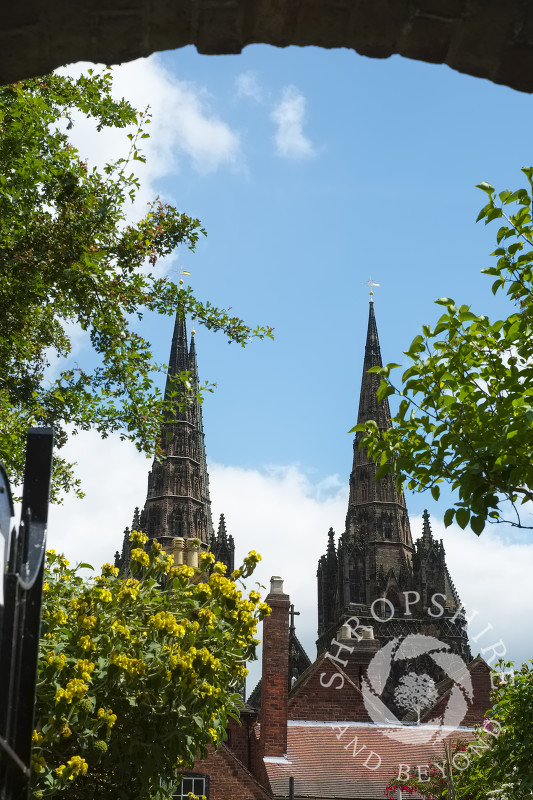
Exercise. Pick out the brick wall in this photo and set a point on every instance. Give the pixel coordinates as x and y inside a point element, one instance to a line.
<point>228,778</point>
<point>239,737</point>
<point>275,672</point>
<point>327,694</point>
<point>477,707</point>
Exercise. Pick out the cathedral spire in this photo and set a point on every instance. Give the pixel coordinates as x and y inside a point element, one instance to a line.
<point>375,558</point>
<point>368,404</point>
<point>179,353</point>
<point>177,502</point>
<point>375,507</point>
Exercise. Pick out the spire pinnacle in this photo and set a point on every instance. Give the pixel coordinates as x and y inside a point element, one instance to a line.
<point>331,552</point>
<point>368,404</point>
<point>426,529</point>
<point>222,533</point>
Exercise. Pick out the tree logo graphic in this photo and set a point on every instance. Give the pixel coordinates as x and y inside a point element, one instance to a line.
<point>417,692</point>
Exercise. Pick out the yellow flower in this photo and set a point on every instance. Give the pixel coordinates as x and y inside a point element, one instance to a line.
<point>58,661</point>
<point>107,716</point>
<point>133,666</point>
<point>165,621</point>
<point>140,557</point>
<point>184,571</point>
<point>130,588</point>
<point>75,688</point>
<point>121,629</point>
<point>264,610</point>
<point>37,763</point>
<point>103,594</point>
<point>37,737</point>
<point>85,667</point>
<point>109,570</point>
<point>61,617</point>
<point>86,643</point>
<point>138,537</point>
<point>205,559</point>
<point>87,622</point>
<point>78,766</point>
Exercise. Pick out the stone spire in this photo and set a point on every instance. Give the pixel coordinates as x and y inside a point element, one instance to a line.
<point>375,509</point>
<point>375,559</point>
<point>368,404</point>
<point>177,505</point>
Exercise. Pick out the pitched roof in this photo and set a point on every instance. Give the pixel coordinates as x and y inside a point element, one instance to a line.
<point>351,760</point>
<point>229,777</point>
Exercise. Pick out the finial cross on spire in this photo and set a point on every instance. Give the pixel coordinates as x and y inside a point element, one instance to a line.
<point>370,283</point>
<point>293,614</point>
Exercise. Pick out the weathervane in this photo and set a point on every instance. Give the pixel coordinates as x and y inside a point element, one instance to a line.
<point>370,283</point>
<point>182,273</point>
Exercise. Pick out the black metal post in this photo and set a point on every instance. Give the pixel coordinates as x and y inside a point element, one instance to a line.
<point>19,636</point>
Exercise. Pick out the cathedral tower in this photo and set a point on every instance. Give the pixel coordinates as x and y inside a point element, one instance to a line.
<point>376,572</point>
<point>177,511</point>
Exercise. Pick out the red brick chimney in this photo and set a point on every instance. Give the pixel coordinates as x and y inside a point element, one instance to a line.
<point>275,677</point>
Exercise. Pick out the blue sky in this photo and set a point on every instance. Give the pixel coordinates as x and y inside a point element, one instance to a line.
<point>312,171</point>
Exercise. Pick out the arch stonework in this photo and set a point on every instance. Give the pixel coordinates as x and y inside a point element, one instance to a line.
<point>486,38</point>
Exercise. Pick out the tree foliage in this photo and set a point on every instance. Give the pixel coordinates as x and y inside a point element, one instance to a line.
<point>71,260</point>
<point>502,765</point>
<point>137,676</point>
<point>466,399</point>
<point>496,763</point>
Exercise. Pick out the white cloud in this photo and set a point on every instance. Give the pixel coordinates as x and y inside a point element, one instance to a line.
<point>184,126</point>
<point>285,516</point>
<point>289,117</point>
<point>248,87</point>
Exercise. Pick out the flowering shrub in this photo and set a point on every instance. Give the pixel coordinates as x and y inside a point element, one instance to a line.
<point>137,676</point>
<point>430,783</point>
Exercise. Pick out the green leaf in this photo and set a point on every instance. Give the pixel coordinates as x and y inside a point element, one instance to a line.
<point>477,524</point>
<point>462,515</point>
<point>485,187</point>
<point>435,492</point>
<point>449,514</point>
<point>384,469</point>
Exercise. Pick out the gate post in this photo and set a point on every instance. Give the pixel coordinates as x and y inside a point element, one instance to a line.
<point>21,614</point>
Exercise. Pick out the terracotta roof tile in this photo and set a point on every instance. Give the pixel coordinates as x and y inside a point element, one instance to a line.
<point>338,760</point>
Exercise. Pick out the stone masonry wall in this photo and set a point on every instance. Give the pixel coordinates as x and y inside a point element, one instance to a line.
<point>486,38</point>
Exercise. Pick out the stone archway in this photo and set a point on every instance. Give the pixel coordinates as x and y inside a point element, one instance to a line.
<point>486,38</point>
